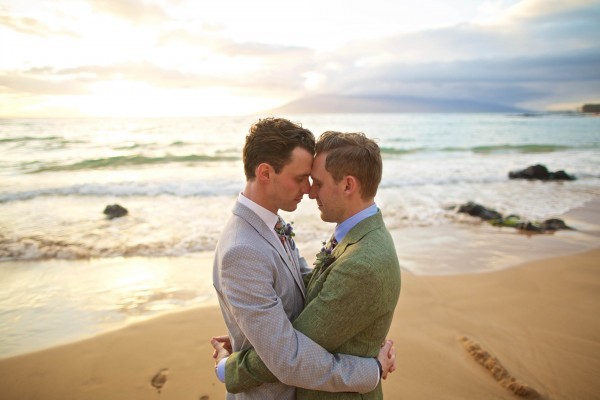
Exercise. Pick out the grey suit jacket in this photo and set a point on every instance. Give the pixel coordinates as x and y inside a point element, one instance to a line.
<point>348,309</point>
<point>260,290</point>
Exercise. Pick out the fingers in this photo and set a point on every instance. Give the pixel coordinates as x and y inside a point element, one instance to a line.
<point>390,351</point>
<point>392,356</point>
<point>387,346</point>
<point>393,359</point>
<point>225,340</point>
<point>218,346</point>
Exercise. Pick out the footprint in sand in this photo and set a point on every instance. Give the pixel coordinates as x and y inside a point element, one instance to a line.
<point>501,374</point>
<point>159,380</point>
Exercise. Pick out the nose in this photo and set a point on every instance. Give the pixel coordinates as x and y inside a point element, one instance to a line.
<point>306,187</point>
<point>312,194</point>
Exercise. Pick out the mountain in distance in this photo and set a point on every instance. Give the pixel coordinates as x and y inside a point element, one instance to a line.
<point>332,104</point>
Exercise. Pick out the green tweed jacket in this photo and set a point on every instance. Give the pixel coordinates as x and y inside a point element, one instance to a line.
<point>349,308</point>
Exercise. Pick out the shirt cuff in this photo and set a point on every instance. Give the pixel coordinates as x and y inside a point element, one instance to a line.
<point>220,369</point>
<point>379,373</point>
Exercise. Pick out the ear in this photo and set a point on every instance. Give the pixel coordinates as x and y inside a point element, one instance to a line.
<point>350,185</point>
<point>264,172</point>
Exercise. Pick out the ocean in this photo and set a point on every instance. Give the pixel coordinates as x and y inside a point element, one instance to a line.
<point>62,260</point>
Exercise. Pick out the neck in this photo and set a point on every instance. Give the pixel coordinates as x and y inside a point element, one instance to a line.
<point>256,193</point>
<point>356,206</point>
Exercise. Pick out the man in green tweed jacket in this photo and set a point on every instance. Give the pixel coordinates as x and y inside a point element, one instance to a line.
<point>354,288</point>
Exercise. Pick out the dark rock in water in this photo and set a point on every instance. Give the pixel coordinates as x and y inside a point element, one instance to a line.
<point>562,176</point>
<point>529,226</point>
<point>115,211</point>
<point>550,225</point>
<point>554,224</point>
<point>533,172</point>
<point>540,172</point>
<point>512,221</point>
<point>480,211</point>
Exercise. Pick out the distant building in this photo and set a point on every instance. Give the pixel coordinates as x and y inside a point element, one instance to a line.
<point>591,108</point>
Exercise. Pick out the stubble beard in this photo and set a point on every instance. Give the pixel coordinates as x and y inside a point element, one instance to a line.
<point>325,217</point>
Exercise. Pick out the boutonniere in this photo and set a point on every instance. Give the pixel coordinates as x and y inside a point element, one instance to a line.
<point>285,232</point>
<point>324,257</point>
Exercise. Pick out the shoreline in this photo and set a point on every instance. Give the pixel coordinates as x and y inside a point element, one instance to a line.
<point>531,309</point>
<point>538,319</point>
<point>479,247</point>
<point>156,287</point>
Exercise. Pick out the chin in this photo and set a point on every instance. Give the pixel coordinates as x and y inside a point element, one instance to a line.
<point>290,208</point>
<point>324,218</point>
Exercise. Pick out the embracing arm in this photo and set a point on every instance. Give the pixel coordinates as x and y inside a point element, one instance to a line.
<point>345,305</point>
<point>292,356</point>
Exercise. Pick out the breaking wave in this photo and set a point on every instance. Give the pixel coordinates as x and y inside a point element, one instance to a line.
<point>133,160</point>
<point>126,189</point>
<point>42,248</point>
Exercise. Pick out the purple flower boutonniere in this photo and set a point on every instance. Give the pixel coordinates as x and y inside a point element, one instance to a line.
<point>286,233</point>
<point>324,257</point>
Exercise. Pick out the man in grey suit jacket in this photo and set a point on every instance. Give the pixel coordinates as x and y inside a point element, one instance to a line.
<point>258,274</point>
<point>352,292</point>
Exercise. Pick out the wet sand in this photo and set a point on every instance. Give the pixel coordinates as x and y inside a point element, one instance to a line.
<point>538,320</point>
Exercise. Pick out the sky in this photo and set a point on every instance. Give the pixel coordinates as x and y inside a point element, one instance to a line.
<point>145,58</point>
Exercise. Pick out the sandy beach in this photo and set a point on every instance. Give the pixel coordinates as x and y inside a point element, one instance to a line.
<point>531,329</point>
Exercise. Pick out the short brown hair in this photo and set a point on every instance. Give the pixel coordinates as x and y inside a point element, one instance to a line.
<point>271,141</point>
<point>352,154</point>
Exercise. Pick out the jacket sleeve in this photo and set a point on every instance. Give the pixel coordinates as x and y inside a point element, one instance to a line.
<point>247,288</point>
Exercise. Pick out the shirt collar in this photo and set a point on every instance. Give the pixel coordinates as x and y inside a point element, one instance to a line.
<point>341,230</point>
<point>267,216</point>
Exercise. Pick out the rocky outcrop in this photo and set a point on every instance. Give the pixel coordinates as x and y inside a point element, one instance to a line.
<point>115,211</point>
<point>480,211</point>
<point>540,172</point>
<point>591,108</point>
<point>513,221</point>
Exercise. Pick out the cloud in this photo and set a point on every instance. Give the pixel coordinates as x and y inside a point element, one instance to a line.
<point>136,11</point>
<point>533,54</point>
<point>269,66</point>
<point>37,84</point>
<point>79,80</point>
<point>523,65</point>
<point>32,26</point>
<point>539,9</point>
<point>68,81</point>
<point>225,46</point>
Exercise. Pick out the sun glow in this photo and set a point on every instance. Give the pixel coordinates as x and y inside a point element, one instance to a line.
<point>136,99</point>
<point>185,57</point>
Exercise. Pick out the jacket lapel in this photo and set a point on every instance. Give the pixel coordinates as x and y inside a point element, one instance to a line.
<point>355,235</point>
<point>358,232</point>
<point>267,234</point>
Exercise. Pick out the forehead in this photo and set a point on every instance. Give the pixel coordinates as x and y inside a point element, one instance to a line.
<point>318,169</point>
<point>300,162</point>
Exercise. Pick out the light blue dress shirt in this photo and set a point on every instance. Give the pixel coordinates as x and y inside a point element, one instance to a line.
<point>341,230</point>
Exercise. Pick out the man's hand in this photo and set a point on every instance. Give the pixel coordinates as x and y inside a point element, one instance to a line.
<point>222,346</point>
<point>387,357</point>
